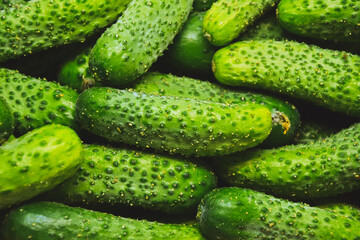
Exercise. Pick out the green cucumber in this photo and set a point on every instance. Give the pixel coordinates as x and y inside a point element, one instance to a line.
<point>334,20</point>
<point>38,25</point>
<point>50,221</point>
<point>170,124</point>
<point>342,208</point>
<point>129,47</point>
<point>305,171</point>
<point>202,5</point>
<point>6,120</point>
<point>227,19</point>
<point>235,213</point>
<point>37,161</point>
<point>127,177</point>
<point>37,102</point>
<point>324,77</point>
<point>286,118</point>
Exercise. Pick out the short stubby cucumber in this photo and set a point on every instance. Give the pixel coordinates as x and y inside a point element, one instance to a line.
<point>305,171</point>
<point>226,19</point>
<point>286,118</point>
<point>128,48</point>
<point>325,19</point>
<point>342,208</point>
<point>41,24</point>
<point>6,121</point>
<point>324,77</point>
<point>54,221</point>
<point>202,5</point>
<point>37,162</point>
<point>127,177</point>
<point>37,102</point>
<point>236,213</point>
<point>170,124</point>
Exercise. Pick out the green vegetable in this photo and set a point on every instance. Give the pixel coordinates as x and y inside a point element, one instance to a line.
<point>202,5</point>
<point>311,131</point>
<point>343,208</point>
<point>6,121</point>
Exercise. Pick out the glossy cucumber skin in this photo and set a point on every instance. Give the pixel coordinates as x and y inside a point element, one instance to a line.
<point>6,121</point>
<point>37,102</point>
<point>38,161</point>
<point>326,78</point>
<point>332,20</point>
<point>286,118</point>
<point>226,19</point>
<point>129,47</point>
<point>55,221</point>
<point>132,178</point>
<point>236,213</point>
<point>202,5</point>
<point>169,124</point>
<point>305,171</point>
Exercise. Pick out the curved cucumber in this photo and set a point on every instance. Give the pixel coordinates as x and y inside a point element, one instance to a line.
<point>174,125</point>
<point>235,213</point>
<point>120,176</point>
<point>324,77</point>
<point>286,118</point>
<point>321,169</point>
<point>334,20</point>
<point>36,162</point>
<point>129,47</point>
<point>36,102</point>
<point>226,19</point>
<point>55,221</point>
<point>6,121</point>
<point>37,25</point>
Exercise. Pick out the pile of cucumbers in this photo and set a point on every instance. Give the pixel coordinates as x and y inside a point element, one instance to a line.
<point>179,119</point>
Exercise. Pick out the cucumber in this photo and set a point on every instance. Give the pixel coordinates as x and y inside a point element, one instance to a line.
<point>129,47</point>
<point>305,171</point>
<point>6,120</point>
<point>227,19</point>
<point>202,5</point>
<point>333,20</point>
<point>343,208</point>
<point>37,102</point>
<point>286,118</point>
<point>32,26</point>
<point>235,213</point>
<point>36,162</point>
<point>169,124</point>
<point>50,221</point>
<point>311,131</point>
<point>127,177</point>
<point>323,77</point>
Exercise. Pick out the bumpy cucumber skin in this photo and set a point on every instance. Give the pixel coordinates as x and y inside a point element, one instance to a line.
<point>6,121</point>
<point>323,169</point>
<point>286,118</point>
<point>342,208</point>
<point>129,47</point>
<point>226,19</point>
<point>37,25</point>
<point>50,221</point>
<point>202,5</point>
<point>174,125</point>
<point>36,102</point>
<point>326,19</point>
<point>235,213</point>
<point>134,178</point>
<point>324,77</point>
<point>37,162</point>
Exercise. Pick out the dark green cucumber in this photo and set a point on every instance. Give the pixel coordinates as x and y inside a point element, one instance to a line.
<point>6,120</point>
<point>37,102</point>
<point>342,208</point>
<point>325,19</point>
<point>235,213</point>
<point>170,124</point>
<point>55,221</point>
<point>37,25</point>
<point>37,161</point>
<point>324,77</point>
<point>127,177</point>
<point>286,118</point>
<point>129,47</point>
<point>227,19</point>
<point>305,171</point>
<point>311,132</point>
<point>202,5</point>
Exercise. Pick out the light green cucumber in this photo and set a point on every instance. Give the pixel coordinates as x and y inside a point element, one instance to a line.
<point>129,47</point>
<point>171,124</point>
<point>36,162</point>
<point>6,120</point>
<point>326,78</point>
